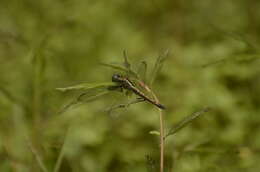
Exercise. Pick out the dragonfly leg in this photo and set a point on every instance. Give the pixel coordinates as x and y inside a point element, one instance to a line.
<point>125,105</point>
<point>121,89</point>
<point>140,99</point>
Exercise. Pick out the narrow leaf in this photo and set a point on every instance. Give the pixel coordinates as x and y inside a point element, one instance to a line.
<point>87,86</point>
<point>157,66</point>
<point>120,68</point>
<point>82,98</point>
<point>234,58</point>
<point>126,61</point>
<point>183,123</point>
<point>142,70</point>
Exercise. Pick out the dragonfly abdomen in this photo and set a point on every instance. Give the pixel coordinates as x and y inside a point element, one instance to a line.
<point>139,93</point>
<point>127,84</point>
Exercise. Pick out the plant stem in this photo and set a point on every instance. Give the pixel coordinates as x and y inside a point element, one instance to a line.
<point>161,141</point>
<point>161,131</point>
<point>147,88</point>
<point>62,151</point>
<point>37,157</point>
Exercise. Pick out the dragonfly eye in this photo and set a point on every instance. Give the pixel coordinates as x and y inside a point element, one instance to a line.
<point>116,78</point>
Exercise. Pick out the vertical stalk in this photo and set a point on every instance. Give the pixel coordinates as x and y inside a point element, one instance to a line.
<point>161,141</point>
<point>161,126</point>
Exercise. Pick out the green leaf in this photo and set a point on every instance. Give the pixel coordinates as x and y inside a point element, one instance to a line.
<point>82,98</point>
<point>183,123</point>
<point>120,68</point>
<point>126,61</point>
<point>154,132</point>
<point>234,58</point>
<point>87,86</point>
<point>158,66</point>
<point>142,70</point>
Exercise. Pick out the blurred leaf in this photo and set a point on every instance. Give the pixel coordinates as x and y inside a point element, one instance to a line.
<point>154,132</point>
<point>238,37</point>
<point>151,164</point>
<point>7,95</point>
<point>249,53</point>
<point>12,99</point>
<point>62,151</point>
<point>238,58</point>
<point>37,157</point>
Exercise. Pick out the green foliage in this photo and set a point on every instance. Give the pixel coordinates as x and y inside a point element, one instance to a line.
<point>213,61</point>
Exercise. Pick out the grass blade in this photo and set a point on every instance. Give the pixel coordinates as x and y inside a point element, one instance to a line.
<point>37,157</point>
<point>82,98</point>
<point>87,86</point>
<point>62,151</point>
<point>127,64</point>
<point>183,123</point>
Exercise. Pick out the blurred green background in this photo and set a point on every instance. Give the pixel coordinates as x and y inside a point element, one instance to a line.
<point>47,44</point>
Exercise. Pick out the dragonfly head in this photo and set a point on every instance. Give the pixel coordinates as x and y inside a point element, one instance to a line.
<point>116,78</point>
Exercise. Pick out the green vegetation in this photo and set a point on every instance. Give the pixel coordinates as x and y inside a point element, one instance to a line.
<point>213,61</point>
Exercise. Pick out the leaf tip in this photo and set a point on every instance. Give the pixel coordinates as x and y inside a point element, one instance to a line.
<point>154,132</point>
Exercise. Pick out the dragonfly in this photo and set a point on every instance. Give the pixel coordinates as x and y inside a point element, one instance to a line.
<point>125,83</point>
<point>125,80</point>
